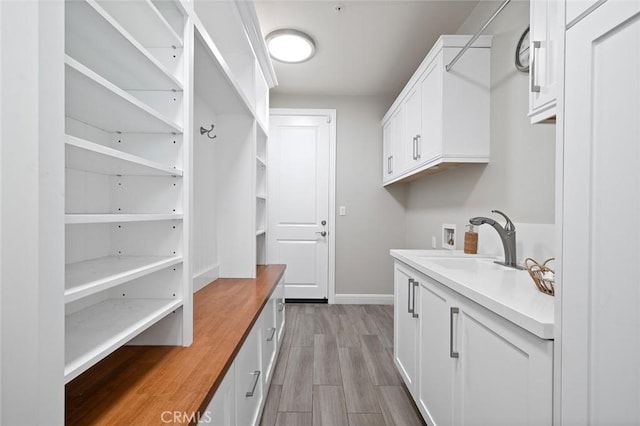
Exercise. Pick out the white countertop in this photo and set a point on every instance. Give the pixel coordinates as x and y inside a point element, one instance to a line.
<point>510,293</point>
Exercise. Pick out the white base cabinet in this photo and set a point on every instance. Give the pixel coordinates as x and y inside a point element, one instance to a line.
<point>405,326</point>
<point>222,408</point>
<point>240,398</point>
<point>471,365</point>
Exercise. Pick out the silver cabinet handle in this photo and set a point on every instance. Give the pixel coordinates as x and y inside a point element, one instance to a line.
<point>280,306</point>
<point>391,164</point>
<point>413,311</point>
<point>273,333</point>
<point>414,147</point>
<point>256,377</point>
<point>409,284</point>
<point>454,311</point>
<point>417,147</point>
<point>534,88</point>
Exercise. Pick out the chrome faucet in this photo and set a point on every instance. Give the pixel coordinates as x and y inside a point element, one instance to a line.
<point>507,236</point>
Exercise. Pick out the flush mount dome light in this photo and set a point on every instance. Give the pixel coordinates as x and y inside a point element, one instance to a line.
<point>290,46</point>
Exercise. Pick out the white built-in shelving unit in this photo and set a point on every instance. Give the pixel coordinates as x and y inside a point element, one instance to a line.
<point>126,159</point>
<point>127,208</point>
<point>261,197</point>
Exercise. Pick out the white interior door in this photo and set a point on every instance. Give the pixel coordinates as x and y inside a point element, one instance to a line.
<point>299,186</point>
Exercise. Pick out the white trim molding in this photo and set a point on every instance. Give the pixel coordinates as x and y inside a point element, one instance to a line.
<point>251,24</point>
<point>363,299</point>
<point>204,278</point>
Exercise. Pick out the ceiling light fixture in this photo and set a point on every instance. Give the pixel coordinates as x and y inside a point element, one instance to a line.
<point>290,46</point>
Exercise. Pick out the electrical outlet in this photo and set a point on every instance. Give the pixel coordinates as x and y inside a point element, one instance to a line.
<point>343,210</point>
<point>434,243</point>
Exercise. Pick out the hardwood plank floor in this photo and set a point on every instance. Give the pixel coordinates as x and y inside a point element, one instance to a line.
<point>336,368</point>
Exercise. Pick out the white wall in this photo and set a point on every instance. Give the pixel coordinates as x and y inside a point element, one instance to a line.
<point>375,216</point>
<point>519,179</point>
<point>205,243</point>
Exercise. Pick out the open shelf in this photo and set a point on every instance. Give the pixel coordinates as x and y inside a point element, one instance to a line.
<point>92,157</point>
<point>94,332</point>
<point>92,276</point>
<point>95,39</point>
<point>220,87</point>
<point>75,219</point>
<point>155,32</point>
<point>223,23</point>
<point>93,100</point>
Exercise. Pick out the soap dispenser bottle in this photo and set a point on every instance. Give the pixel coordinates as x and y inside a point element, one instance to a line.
<point>470,240</point>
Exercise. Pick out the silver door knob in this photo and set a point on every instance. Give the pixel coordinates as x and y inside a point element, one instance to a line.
<point>323,233</point>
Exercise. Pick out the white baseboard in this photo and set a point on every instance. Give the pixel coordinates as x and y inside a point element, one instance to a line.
<point>202,279</point>
<point>363,299</point>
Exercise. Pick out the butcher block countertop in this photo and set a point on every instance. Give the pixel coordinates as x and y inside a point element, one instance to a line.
<point>136,384</point>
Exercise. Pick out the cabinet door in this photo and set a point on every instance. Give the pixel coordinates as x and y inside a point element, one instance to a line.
<point>412,128</point>
<point>269,338</point>
<point>435,369</point>
<point>221,411</point>
<point>575,8</point>
<point>430,141</point>
<point>249,378</point>
<point>405,326</point>
<point>599,299</point>
<point>387,150</point>
<point>503,373</point>
<point>280,311</point>
<point>545,36</point>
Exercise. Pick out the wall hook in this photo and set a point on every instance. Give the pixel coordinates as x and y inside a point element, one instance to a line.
<point>204,131</point>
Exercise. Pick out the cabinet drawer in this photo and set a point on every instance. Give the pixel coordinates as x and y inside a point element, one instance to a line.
<point>221,411</point>
<point>249,378</point>
<point>269,337</point>
<point>280,311</point>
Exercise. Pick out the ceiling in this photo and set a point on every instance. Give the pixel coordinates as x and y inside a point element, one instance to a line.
<point>366,48</point>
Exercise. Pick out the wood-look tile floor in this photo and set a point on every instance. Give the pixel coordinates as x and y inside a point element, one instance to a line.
<point>335,368</point>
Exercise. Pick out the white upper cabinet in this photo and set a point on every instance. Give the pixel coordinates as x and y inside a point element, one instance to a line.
<point>412,129</point>
<point>445,114</point>
<point>545,37</point>
<point>392,131</point>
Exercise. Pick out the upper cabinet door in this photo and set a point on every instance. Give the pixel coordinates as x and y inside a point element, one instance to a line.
<point>429,144</point>
<point>387,150</point>
<point>599,298</point>
<point>544,56</point>
<point>413,128</point>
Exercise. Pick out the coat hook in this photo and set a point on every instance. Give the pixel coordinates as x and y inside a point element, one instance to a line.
<point>204,131</point>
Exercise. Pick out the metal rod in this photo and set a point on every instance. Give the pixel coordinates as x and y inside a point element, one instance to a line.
<point>475,37</point>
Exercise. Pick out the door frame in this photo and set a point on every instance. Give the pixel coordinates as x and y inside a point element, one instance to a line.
<point>331,115</point>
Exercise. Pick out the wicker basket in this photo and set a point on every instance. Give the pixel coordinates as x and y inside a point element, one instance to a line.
<point>542,275</point>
